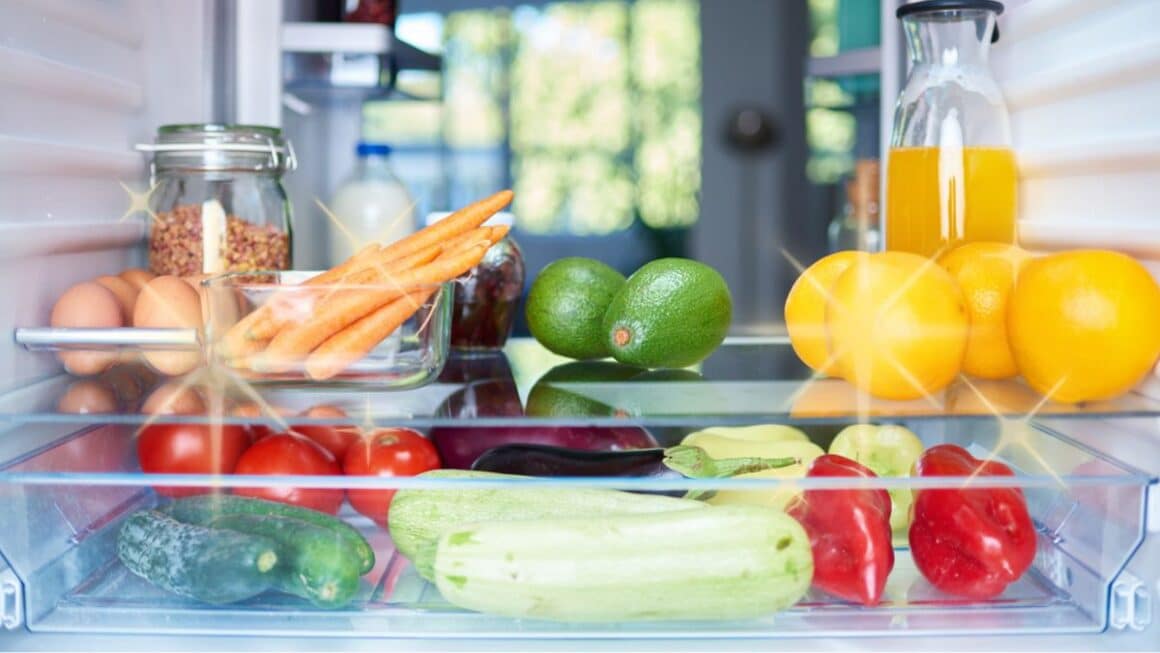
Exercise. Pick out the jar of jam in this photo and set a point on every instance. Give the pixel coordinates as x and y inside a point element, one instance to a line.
<point>487,297</point>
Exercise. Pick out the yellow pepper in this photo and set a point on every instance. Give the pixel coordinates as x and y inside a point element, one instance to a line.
<point>743,441</point>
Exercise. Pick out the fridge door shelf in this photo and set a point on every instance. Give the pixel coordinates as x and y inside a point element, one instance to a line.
<point>63,503</point>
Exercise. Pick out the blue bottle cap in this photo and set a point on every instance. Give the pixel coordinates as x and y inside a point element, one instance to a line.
<point>372,149</point>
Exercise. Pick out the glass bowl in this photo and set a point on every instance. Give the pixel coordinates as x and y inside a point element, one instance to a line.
<point>384,335</point>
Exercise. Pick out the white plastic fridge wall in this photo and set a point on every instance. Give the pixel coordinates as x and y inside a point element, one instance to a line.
<point>82,83</point>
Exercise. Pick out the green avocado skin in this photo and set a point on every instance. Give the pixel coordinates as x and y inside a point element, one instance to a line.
<point>672,312</point>
<point>566,305</point>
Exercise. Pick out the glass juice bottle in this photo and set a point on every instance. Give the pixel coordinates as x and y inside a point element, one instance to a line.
<point>950,175</point>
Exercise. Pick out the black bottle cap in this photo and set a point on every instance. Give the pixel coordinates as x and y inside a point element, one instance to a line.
<point>947,5</point>
<point>923,6</point>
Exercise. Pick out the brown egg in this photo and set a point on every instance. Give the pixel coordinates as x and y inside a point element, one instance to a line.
<point>174,399</point>
<point>125,292</point>
<point>137,277</point>
<point>87,304</point>
<point>126,381</point>
<point>169,303</point>
<point>87,396</point>
<point>326,411</point>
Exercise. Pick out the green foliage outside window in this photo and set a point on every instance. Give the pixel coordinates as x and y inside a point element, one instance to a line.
<point>597,102</point>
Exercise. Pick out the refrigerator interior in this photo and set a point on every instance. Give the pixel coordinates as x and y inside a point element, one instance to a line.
<point>84,82</point>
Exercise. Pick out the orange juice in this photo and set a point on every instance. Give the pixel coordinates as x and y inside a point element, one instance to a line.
<point>937,198</point>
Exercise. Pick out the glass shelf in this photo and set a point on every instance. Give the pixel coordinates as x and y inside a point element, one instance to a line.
<point>747,381</point>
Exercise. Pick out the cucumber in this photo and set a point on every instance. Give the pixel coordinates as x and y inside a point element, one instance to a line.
<point>207,564</point>
<point>733,562</point>
<point>418,517</point>
<point>316,564</point>
<point>205,508</point>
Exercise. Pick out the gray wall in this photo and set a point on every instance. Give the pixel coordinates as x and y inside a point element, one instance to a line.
<point>753,205</point>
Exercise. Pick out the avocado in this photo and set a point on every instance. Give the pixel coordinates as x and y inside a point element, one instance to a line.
<point>548,400</point>
<point>672,312</point>
<point>566,305</point>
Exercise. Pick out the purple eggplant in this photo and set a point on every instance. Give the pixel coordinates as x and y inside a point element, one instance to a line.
<point>679,462</point>
<point>459,446</point>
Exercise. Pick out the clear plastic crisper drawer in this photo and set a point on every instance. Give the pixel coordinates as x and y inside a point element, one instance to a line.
<point>85,533</point>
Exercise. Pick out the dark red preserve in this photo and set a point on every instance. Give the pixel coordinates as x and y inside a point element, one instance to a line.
<point>487,298</point>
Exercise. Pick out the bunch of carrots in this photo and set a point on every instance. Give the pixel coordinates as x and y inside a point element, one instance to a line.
<point>365,298</point>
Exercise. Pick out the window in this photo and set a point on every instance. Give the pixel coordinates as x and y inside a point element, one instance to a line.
<point>589,110</point>
<point>841,113</point>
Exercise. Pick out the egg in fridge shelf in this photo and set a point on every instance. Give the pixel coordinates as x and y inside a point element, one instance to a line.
<point>169,303</point>
<point>87,305</point>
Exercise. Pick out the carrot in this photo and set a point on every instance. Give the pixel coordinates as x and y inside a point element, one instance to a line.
<point>255,326</point>
<point>344,269</point>
<point>272,322</point>
<point>465,219</point>
<point>239,356</point>
<point>495,234</point>
<point>460,227</point>
<point>347,306</point>
<point>236,339</point>
<point>384,271</point>
<point>352,343</point>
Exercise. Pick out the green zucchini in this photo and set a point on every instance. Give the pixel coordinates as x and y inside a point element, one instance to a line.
<point>419,516</point>
<point>729,562</point>
<point>316,564</point>
<point>200,562</point>
<point>205,508</point>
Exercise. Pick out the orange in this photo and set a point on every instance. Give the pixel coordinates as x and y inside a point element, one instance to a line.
<point>1084,325</point>
<point>805,308</point>
<point>986,273</point>
<point>898,326</point>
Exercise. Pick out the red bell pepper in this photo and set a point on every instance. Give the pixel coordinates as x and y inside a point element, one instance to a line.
<point>849,532</point>
<point>969,542</point>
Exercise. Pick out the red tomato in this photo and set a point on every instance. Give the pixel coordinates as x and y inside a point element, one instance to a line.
<point>386,452</point>
<point>335,438</point>
<point>165,448</point>
<point>286,454</point>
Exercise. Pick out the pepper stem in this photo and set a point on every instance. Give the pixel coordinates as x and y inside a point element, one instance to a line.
<point>693,462</point>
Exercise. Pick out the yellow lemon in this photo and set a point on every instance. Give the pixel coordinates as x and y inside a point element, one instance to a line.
<point>805,308</point>
<point>1084,325</point>
<point>898,325</point>
<point>986,273</point>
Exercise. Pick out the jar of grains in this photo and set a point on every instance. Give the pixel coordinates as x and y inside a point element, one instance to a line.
<point>218,203</point>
